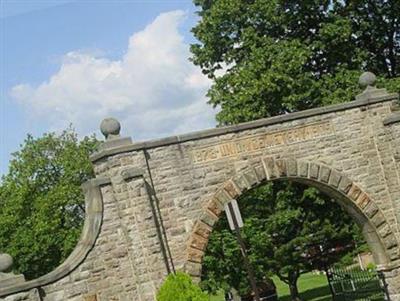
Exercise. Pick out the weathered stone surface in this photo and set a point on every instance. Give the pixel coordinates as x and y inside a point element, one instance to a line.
<point>195,255</point>
<point>231,189</point>
<point>198,242</point>
<point>384,230</point>
<point>367,79</point>
<point>6,262</point>
<point>362,200</point>
<point>281,168</point>
<point>32,295</point>
<point>354,192</point>
<point>241,183</point>
<point>324,174</point>
<point>215,207</point>
<point>90,297</point>
<point>269,167</point>
<point>260,172</point>
<point>251,177</point>
<point>378,219</point>
<point>291,168</point>
<point>334,178</point>
<point>209,219</point>
<point>302,169</point>
<point>314,170</point>
<point>110,127</point>
<point>391,241</point>
<point>223,196</point>
<point>394,254</point>
<point>9,279</point>
<point>193,268</point>
<point>371,210</point>
<point>345,184</point>
<point>202,229</point>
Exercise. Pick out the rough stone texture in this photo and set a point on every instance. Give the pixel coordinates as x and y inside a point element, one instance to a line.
<point>110,127</point>
<point>367,79</point>
<point>6,261</point>
<point>32,295</point>
<point>346,151</point>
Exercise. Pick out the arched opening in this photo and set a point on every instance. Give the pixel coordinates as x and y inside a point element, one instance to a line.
<point>376,231</point>
<point>368,230</point>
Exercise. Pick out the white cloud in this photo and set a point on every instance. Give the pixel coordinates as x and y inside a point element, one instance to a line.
<point>153,89</point>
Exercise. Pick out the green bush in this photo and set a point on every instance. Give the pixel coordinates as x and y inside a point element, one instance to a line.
<point>371,266</point>
<point>179,287</point>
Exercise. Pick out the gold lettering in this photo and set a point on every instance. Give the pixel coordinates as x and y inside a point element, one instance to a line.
<point>268,140</point>
<point>227,150</point>
<point>197,156</point>
<point>290,136</point>
<point>212,154</point>
<point>278,139</point>
<point>300,134</point>
<point>263,141</point>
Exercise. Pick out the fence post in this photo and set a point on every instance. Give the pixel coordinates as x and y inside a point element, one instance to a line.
<point>329,277</point>
<point>383,284</point>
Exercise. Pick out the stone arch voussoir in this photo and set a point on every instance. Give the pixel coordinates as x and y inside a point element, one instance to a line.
<point>268,169</point>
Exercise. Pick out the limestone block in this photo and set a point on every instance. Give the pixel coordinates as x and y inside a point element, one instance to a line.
<point>302,169</point>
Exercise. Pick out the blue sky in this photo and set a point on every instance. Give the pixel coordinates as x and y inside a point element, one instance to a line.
<point>78,62</point>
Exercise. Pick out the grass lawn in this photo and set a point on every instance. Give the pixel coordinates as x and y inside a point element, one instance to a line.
<point>219,297</point>
<point>312,288</point>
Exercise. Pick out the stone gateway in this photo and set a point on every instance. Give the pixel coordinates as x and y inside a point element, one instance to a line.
<point>153,204</point>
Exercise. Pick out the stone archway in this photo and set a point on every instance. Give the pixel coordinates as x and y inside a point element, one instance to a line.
<point>162,197</point>
<point>375,228</point>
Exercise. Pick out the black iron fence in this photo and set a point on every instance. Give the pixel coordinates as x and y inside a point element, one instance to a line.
<point>356,285</point>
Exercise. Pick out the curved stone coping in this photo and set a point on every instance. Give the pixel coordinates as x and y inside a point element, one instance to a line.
<point>394,118</point>
<point>239,127</point>
<point>90,231</point>
<point>356,202</point>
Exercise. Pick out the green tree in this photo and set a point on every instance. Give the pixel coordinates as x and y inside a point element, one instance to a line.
<point>281,56</point>
<point>273,57</point>
<point>41,202</point>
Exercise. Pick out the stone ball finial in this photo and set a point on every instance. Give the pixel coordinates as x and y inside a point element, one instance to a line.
<point>367,79</point>
<point>110,127</point>
<point>6,262</point>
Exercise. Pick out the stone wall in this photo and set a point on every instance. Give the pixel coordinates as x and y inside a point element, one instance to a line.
<point>161,198</point>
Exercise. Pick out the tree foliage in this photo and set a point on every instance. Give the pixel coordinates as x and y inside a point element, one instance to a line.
<point>179,287</point>
<point>41,202</point>
<point>271,57</point>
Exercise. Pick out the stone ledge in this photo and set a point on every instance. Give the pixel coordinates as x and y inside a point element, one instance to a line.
<point>7,279</point>
<point>240,127</point>
<point>131,173</point>
<point>394,118</point>
<point>90,232</point>
<point>114,143</point>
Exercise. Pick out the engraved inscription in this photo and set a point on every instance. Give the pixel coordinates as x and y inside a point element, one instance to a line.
<point>263,141</point>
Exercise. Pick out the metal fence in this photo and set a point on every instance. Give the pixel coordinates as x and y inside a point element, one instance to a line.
<point>356,285</point>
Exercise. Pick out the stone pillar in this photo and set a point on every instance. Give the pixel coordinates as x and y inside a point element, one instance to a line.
<point>392,125</point>
<point>387,142</point>
<point>136,214</point>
